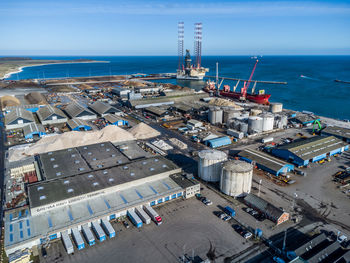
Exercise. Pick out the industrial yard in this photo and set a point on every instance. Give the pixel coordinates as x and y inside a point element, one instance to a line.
<point>170,173</point>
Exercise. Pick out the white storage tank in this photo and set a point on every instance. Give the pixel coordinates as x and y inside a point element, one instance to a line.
<point>215,115</point>
<point>268,120</point>
<point>209,167</point>
<point>276,107</point>
<point>255,124</point>
<point>236,178</point>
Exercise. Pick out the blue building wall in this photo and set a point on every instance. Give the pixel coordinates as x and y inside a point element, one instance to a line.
<point>30,135</point>
<point>218,142</point>
<point>85,127</point>
<point>121,123</point>
<point>289,167</point>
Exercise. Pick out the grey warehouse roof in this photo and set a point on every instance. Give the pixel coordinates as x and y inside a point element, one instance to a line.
<point>77,110</point>
<point>46,112</point>
<point>264,206</point>
<point>18,113</point>
<point>102,155</point>
<point>103,108</point>
<point>33,127</point>
<point>309,148</point>
<point>337,131</point>
<point>62,163</point>
<point>74,123</point>
<point>47,192</point>
<point>262,158</point>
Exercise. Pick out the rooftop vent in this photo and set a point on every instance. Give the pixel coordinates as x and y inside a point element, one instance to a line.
<point>125,167</point>
<point>156,160</point>
<point>76,161</point>
<point>70,190</point>
<point>144,162</point>
<point>40,188</point>
<point>81,169</point>
<point>90,175</point>
<point>95,184</point>
<point>58,173</point>
<point>49,153</point>
<point>105,172</point>
<point>132,174</point>
<point>89,153</point>
<point>151,169</point>
<point>111,179</point>
<point>113,155</point>
<point>66,182</point>
<point>107,150</point>
<point>70,149</point>
<point>73,155</point>
<point>52,159</point>
<point>85,147</point>
<point>55,165</point>
<point>164,166</point>
<point>42,197</point>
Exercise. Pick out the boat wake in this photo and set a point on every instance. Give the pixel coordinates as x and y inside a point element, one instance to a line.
<point>306,77</point>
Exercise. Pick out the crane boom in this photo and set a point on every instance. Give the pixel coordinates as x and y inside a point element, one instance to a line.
<point>251,74</point>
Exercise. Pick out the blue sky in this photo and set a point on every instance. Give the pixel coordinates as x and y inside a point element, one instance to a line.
<point>135,27</point>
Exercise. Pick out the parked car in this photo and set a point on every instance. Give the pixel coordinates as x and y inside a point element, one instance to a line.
<point>126,224</point>
<point>247,209</point>
<point>247,235</point>
<point>44,252</point>
<point>253,212</point>
<point>208,202</point>
<point>226,218</point>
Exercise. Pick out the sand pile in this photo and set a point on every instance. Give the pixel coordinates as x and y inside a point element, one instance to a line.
<point>73,139</point>
<point>7,101</point>
<point>223,102</point>
<point>142,131</point>
<point>178,143</point>
<point>36,98</point>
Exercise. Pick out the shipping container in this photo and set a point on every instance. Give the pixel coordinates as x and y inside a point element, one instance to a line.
<point>153,214</point>
<point>134,218</point>
<point>230,211</point>
<point>90,239</point>
<point>107,227</point>
<point>143,215</point>
<point>79,242</point>
<point>67,242</point>
<point>98,231</point>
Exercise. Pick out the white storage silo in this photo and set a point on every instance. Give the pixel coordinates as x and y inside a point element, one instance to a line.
<point>236,178</point>
<point>215,115</point>
<point>268,120</point>
<point>209,167</point>
<point>255,124</point>
<point>276,107</point>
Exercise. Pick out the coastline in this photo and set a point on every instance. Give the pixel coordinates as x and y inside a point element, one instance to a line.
<point>20,69</point>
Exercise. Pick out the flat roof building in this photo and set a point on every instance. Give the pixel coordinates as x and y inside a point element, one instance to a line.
<point>305,151</point>
<point>265,161</point>
<point>78,125</point>
<point>102,109</point>
<point>273,213</point>
<point>102,155</point>
<point>157,111</point>
<point>18,118</point>
<point>33,130</point>
<point>76,110</point>
<point>121,92</point>
<point>62,163</point>
<point>51,115</point>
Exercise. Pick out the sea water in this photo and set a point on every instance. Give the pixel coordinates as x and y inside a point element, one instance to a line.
<point>310,79</point>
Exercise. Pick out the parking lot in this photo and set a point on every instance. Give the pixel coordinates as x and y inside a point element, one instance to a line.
<point>189,227</point>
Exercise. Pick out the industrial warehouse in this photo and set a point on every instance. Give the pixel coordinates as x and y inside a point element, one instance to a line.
<point>310,150</point>
<point>98,184</point>
<point>266,162</point>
